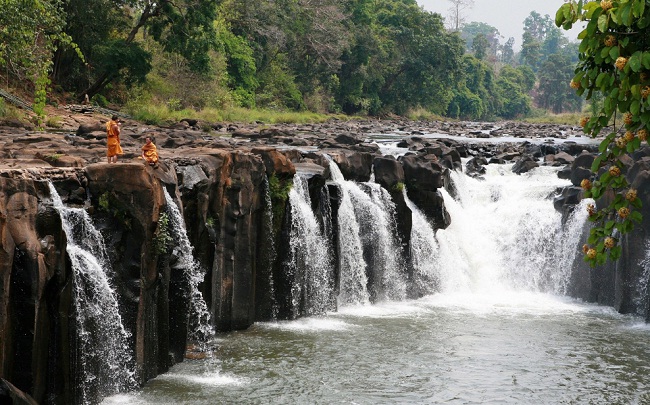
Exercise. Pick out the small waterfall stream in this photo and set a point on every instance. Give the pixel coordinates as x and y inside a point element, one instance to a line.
<point>505,233</point>
<point>200,326</point>
<point>370,256</point>
<point>310,256</point>
<point>103,352</point>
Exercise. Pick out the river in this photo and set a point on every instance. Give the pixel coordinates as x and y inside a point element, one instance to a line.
<point>506,348</point>
<point>496,329</point>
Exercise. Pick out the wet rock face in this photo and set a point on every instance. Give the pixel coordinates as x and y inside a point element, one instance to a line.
<point>227,184</point>
<point>614,284</point>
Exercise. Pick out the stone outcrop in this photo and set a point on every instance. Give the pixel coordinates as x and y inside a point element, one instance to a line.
<point>231,186</point>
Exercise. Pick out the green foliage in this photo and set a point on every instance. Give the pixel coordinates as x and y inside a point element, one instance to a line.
<point>398,187</point>
<point>162,238</point>
<point>109,204</point>
<point>30,33</point>
<point>513,86</point>
<point>470,31</point>
<point>554,93</point>
<point>615,62</point>
<point>279,189</point>
<point>104,202</point>
<point>480,46</point>
<point>541,39</point>
<point>278,87</point>
<point>476,97</point>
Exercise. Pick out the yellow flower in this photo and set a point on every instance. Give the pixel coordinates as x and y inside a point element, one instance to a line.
<point>642,134</point>
<point>623,212</point>
<point>621,62</point>
<point>610,242</point>
<point>586,184</point>
<point>628,118</point>
<point>585,248</point>
<point>645,92</point>
<point>629,136</point>
<point>615,171</point>
<point>584,121</point>
<point>610,40</point>
<point>591,209</point>
<point>621,142</point>
<point>591,253</point>
<point>606,4</point>
<point>631,195</point>
<point>574,84</point>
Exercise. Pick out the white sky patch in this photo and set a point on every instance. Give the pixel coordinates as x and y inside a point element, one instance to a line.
<point>506,16</point>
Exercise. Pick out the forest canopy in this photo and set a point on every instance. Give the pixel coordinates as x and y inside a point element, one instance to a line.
<point>372,57</point>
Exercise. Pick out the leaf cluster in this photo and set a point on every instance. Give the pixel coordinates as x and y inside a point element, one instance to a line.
<point>614,62</point>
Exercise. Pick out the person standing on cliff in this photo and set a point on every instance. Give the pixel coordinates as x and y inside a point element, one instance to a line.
<point>113,139</point>
<point>149,152</point>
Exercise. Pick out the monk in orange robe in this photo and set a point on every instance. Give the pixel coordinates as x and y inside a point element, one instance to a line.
<point>113,139</point>
<point>149,152</point>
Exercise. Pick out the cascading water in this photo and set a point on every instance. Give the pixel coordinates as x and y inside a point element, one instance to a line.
<point>424,254</point>
<point>199,315</point>
<point>310,260</point>
<point>103,354</point>
<point>506,233</point>
<point>270,252</point>
<point>642,289</point>
<point>367,244</point>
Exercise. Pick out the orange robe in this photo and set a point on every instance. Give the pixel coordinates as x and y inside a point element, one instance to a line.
<point>150,153</point>
<point>113,141</point>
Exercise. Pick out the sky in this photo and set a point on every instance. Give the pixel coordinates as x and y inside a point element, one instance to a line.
<point>505,15</point>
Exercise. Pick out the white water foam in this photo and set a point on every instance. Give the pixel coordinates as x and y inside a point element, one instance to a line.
<point>506,235</point>
<point>104,357</point>
<point>199,315</point>
<point>310,260</point>
<point>308,325</point>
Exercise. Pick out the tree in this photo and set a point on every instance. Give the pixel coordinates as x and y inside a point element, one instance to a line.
<point>30,33</point>
<point>475,96</point>
<point>508,52</point>
<point>457,13</point>
<point>184,27</point>
<point>554,93</point>
<point>480,45</point>
<point>541,38</point>
<point>615,62</point>
<point>472,29</point>
<point>513,86</point>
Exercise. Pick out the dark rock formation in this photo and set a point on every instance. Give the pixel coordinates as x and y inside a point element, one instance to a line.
<point>231,186</point>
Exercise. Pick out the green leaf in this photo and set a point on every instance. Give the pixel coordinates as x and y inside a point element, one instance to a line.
<point>636,216</point>
<point>596,164</point>
<point>614,52</point>
<point>635,61</point>
<point>603,21</point>
<point>645,59</point>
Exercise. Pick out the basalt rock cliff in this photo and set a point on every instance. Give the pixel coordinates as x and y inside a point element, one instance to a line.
<point>231,187</point>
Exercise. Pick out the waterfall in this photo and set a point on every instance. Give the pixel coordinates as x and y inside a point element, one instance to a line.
<point>643,286</point>
<point>505,233</point>
<point>200,326</point>
<point>270,251</point>
<point>369,254</point>
<point>310,261</point>
<point>103,354</point>
<point>424,251</point>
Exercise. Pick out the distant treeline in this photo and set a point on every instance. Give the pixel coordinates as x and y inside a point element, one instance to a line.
<point>372,57</point>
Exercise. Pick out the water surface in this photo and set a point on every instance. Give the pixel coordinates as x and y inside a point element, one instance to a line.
<point>502,348</point>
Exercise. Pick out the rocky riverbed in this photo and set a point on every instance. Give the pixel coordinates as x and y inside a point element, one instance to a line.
<point>230,182</point>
